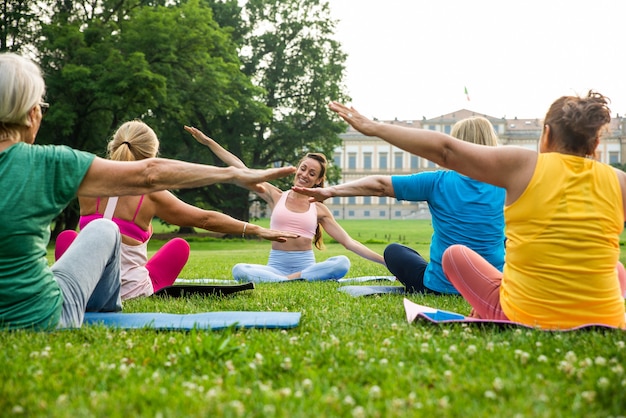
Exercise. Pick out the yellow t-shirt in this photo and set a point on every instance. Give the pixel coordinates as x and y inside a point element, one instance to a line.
<point>563,246</point>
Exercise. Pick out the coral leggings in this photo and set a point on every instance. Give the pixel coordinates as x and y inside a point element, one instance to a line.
<point>479,282</point>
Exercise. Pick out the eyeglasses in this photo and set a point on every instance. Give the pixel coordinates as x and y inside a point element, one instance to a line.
<point>44,108</point>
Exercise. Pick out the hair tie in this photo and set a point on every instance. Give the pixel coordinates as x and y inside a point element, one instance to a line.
<point>127,143</point>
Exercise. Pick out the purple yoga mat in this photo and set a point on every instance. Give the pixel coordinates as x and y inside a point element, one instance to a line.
<point>415,312</point>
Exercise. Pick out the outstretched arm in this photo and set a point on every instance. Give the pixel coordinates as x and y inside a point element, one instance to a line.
<point>120,178</point>
<point>266,191</point>
<point>366,186</point>
<point>176,212</point>
<point>507,167</point>
<point>221,153</point>
<point>335,230</point>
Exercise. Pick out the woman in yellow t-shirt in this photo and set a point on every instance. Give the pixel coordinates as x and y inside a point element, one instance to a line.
<point>564,212</point>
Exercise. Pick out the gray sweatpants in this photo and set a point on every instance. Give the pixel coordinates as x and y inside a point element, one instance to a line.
<point>88,273</point>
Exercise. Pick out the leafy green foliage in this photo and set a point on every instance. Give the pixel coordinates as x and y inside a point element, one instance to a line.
<point>257,77</point>
<point>19,25</point>
<point>287,49</point>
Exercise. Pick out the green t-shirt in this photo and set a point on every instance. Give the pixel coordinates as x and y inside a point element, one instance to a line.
<point>36,182</point>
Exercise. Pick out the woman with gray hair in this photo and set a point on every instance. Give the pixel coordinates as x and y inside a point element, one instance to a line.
<point>38,182</point>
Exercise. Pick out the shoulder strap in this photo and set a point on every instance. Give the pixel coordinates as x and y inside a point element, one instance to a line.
<point>111,204</point>
<point>138,207</point>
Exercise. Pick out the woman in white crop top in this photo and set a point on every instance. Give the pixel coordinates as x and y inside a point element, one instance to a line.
<point>292,212</point>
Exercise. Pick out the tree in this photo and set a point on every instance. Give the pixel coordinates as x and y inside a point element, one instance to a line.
<point>19,24</point>
<point>287,49</point>
<point>110,61</point>
<point>259,81</point>
<point>205,85</point>
<point>92,86</point>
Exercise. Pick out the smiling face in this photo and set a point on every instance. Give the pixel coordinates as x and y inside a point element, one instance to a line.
<point>311,171</point>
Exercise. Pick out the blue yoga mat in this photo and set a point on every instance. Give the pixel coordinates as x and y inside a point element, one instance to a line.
<point>414,312</point>
<point>204,320</point>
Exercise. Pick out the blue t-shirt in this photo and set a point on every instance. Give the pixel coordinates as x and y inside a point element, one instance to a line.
<point>36,182</point>
<point>464,211</point>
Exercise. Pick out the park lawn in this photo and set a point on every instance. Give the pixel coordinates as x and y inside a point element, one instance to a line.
<point>349,357</point>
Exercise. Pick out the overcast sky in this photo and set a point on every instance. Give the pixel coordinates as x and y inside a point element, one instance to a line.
<point>409,59</point>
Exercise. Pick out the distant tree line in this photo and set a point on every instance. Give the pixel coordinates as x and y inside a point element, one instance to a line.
<point>256,77</point>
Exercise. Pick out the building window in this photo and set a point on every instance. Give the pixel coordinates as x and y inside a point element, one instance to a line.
<point>397,160</point>
<point>613,157</point>
<point>336,213</point>
<point>366,213</point>
<point>398,214</point>
<point>352,160</point>
<point>351,214</point>
<point>415,162</point>
<point>352,200</point>
<point>430,164</point>
<point>447,129</point>
<point>337,160</point>
<point>336,200</point>
<point>367,200</point>
<point>382,213</point>
<point>382,200</point>
<point>367,161</point>
<point>382,161</point>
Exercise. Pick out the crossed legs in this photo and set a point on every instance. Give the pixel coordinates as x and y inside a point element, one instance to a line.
<point>476,279</point>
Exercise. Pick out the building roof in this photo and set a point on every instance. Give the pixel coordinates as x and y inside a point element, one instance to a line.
<point>458,115</point>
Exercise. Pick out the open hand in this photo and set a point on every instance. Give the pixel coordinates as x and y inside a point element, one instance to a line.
<point>354,118</point>
<point>198,135</point>
<point>316,194</point>
<point>252,179</point>
<point>274,235</point>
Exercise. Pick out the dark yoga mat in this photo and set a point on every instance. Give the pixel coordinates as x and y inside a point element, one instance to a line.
<point>182,290</point>
<point>357,291</point>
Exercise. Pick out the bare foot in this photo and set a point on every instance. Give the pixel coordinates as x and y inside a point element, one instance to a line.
<point>294,275</point>
<point>473,314</point>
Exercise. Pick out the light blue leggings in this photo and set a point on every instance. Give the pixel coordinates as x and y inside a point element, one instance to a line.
<point>283,263</point>
<point>88,273</point>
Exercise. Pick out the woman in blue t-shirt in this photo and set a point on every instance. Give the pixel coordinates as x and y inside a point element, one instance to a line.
<point>463,210</point>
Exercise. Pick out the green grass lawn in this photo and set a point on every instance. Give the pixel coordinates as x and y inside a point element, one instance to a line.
<point>349,357</point>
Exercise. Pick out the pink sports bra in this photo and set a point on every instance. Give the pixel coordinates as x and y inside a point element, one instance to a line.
<point>128,228</point>
<point>302,223</point>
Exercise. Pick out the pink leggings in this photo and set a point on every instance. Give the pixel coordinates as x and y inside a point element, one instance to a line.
<point>164,266</point>
<point>479,282</point>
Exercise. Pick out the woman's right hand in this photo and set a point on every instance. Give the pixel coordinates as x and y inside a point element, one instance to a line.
<point>199,136</point>
<point>274,235</point>
<point>255,180</point>
<point>221,153</point>
<point>317,194</point>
